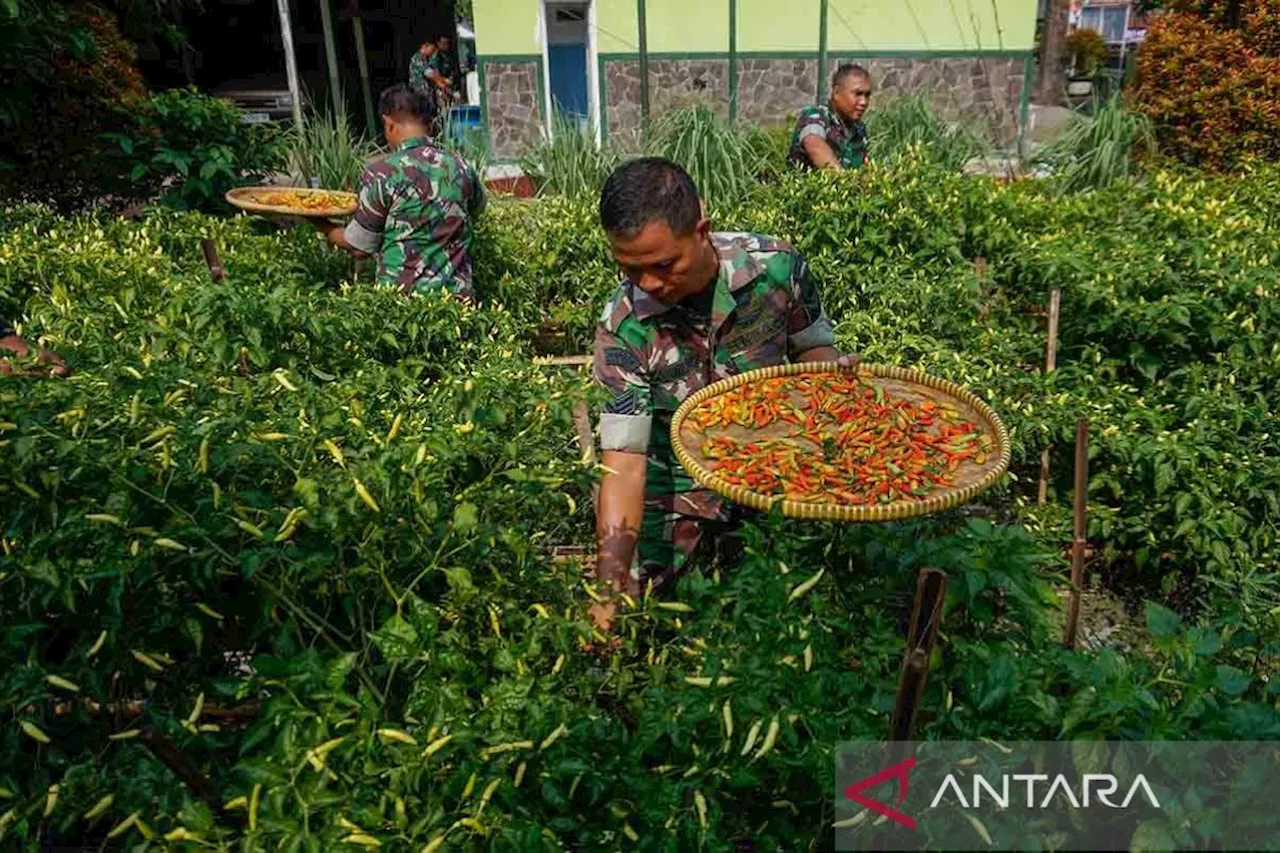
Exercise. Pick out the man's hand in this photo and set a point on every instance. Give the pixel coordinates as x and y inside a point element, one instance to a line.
<point>602,614</point>
<point>847,361</point>
<point>20,348</point>
<point>337,235</point>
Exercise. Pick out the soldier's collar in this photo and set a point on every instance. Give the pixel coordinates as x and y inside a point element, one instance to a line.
<point>413,142</point>
<point>737,269</point>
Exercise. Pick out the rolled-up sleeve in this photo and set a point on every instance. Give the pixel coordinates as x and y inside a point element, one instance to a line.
<point>807,324</point>
<point>364,231</point>
<point>627,419</point>
<point>811,123</point>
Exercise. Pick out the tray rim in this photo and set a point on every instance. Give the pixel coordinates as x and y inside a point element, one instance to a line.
<point>894,511</point>
<point>234,197</point>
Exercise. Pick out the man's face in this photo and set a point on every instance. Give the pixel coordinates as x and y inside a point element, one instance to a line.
<point>666,265</point>
<point>851,97</point>
<point>444,43</point>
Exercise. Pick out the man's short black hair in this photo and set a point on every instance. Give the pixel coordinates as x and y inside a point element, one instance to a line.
<point>403,103</point>
<point>847,70</point>
<point>649,189</point>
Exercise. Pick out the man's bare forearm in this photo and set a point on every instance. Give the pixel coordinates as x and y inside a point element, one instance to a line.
<point>820,154</point>
<point>621,510</point>
<point>337,235</point>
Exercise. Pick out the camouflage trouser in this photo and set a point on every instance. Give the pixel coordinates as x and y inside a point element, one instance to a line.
<point>671,543</point>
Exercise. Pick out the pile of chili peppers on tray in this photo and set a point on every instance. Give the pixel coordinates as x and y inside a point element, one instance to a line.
<point>852,442</point>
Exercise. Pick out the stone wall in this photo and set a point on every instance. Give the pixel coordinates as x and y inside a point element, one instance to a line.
<point>514,104</point>
<point>673,83</point>
<point>984,90</point>
<point>771,91</point>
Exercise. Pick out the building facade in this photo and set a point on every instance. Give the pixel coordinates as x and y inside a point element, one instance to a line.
<point>756,60</point>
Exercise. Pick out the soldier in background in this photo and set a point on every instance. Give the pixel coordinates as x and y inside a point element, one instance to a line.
<point>833,136</point>
<point>694,307</point>
<point>416,205</point>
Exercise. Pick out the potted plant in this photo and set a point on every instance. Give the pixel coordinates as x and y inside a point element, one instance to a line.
<point>1087,51</point>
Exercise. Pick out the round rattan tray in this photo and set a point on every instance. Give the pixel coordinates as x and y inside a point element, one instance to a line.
<point>971,478</point>
<point>247,198</point>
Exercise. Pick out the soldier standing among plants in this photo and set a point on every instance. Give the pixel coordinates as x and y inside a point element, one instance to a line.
<point>834,136</point>
<point>415,207</point>
<point>694,307</point>
<point>420,71</point>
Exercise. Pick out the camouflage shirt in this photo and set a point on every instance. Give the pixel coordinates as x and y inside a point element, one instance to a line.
<point>415,214</point>
<point>442,63</point>
<point>419,65</point>
<point>765,309</point>
<point>848,141</point>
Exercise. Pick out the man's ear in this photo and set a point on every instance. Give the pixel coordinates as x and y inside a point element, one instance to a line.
<point>703,228</point>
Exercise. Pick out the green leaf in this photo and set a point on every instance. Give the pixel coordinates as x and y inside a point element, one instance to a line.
<point>465,517</point>
<point>1232,681</point>
<point>1152,835</point>
<point>1162,622</point>
<point>336,672</point>
<point>1204,641</point>
<point>396,639</point>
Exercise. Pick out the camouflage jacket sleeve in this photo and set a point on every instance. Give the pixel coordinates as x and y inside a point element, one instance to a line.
<point>807,323</point>
<point>627,418</point>
<point>418,68</point>
<point>364,231</point>
<point>811,122</point>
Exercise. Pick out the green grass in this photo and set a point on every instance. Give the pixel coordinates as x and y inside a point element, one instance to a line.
<point>1100,149</point>
<point>329,150</point>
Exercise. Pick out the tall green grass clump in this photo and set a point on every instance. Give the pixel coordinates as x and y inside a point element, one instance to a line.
<point>328,150</point>
<point>909,120</point>
<point>569,162</point>
<point>726,159</point>
<point>1100,149</point>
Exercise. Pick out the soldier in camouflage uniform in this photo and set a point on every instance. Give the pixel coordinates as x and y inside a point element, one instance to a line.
<point>834,136</point>
<point>415,206</point>
<point>693,308</point>
<point>420,73</point>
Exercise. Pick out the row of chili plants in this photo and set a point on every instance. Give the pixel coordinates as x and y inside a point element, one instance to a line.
<point>357,495</point>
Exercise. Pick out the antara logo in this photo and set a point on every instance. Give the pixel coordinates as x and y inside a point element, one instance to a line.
<point>1094,788</point>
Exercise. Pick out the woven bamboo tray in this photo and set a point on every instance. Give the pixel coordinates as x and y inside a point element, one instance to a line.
<point>971,479</point>
<point>247,198</point>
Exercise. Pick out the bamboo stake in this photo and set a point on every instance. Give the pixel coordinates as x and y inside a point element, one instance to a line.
<point>1081,519</point>
<point>135,708</point>
<point>922,635</point>
<point>1050,365</point>
<point>371,122</point>
<point>211,259</point>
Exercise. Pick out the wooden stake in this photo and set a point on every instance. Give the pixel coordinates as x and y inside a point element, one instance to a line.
<point>170,756</point>
<point>922,634</point>
<point>211,259</point>
<point>1051,350</point>
<point>1081,518</point>
<point>370,120</point>
<point>1050,365</point>
<point>980,267</point>
<point>136,707</point>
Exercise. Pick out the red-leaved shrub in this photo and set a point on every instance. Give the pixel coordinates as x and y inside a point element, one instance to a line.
<point>1208,74</point>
